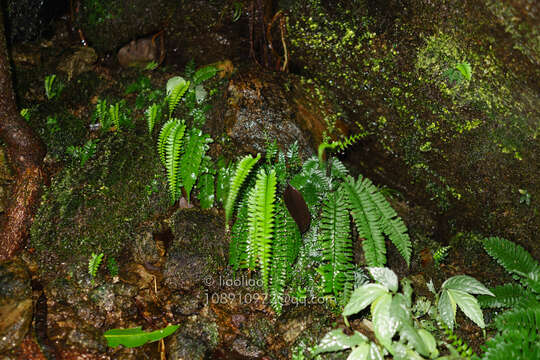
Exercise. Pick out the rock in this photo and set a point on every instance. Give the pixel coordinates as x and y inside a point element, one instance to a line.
<point>16,306</point>
<point>141,52</point>
<point>259,111</point>
<point>197,251</point>
<point>82,60</point>
<point>244,348</point>
<point>196,340</point>
<point>145,249</point>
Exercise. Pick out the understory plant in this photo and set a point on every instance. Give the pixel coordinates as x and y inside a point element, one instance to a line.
<point>181,146</point>
<point>266,237</point>
<point>396,329</point>
<point>518,334</point>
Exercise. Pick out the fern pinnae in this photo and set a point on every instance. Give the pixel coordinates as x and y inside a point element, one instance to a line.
<point>337,245</point>
<point>239,238</point>
<point>392,225</point>
<point>513,258</point>
<point>242,170</point>
<point>266,208</point>
<point>176,95</point>
<point>204,74</point>
<point>163,138</point>
<point>153,115</point>
<point>280,263</point>
<point>252,243</point>
<point>195,150</point>
<point>366,221</point>
<point>172,158</point>
<point>506,296</point>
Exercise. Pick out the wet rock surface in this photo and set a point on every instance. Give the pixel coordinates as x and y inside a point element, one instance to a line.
<point>16,306</point>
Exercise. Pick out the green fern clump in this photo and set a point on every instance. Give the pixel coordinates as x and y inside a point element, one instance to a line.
<point>518,336</point>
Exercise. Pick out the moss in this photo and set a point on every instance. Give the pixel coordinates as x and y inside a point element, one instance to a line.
<point>98,208</point>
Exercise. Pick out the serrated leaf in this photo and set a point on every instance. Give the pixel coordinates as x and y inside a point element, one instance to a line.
<point>447,309</point>
<point>468,304</point>
<point>362,297</point>
<point>467,284</point>
<point>385,277</point>
<point>136,336</point>
<point>337,340</point>
<point>384,324</point>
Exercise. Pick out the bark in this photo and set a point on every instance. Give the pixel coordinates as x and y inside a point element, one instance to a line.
<point>25,153</point>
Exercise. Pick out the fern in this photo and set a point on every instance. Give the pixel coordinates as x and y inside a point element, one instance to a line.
<point>153,115</point>
<point>163,136</point>
<point>280,259</point>
<point>367,221</point>
<point>173,150</point>
<point>93,264</point>
<point>195,148</point>
<point>337,272</point>
<point>261,223</point>
<point>204,74</point>
<point>506,296</point>
<point>205,184</point>
<point>242,170</point>
<point>513,258</point>
<point>239,237</point>
<point>176,88</point>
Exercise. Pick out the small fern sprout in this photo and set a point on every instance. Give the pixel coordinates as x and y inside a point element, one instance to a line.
<point>93,264</point>
<point>153,115</point>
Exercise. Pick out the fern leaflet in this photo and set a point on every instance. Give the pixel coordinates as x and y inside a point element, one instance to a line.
<point>93,264</point>
<point>176,88</point>
<point>195,148</point>
<point>367,221</point>
<point>173,151</point>
<point>204,74</point>
<point>337,272</point>
<point>242,170</point>
<point>153,115</point>
<point>239,238</point>
<point>163,136</point>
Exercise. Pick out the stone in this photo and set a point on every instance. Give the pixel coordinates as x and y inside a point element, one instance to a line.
<point>16,306</point>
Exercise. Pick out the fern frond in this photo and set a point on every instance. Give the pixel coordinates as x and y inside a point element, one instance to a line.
<point>223,182</point>
<point>517,343</point>
<point>367,221</point>
<point>348,141</point>
<point>392,225</point>
<point>172,158</point>
<point>205,184</point>
<point>513,258</point>
<point>506,296</point>
<point>239,238</point>
<point>93,264</point>
<point>176,88</point>
<point>280,256</point>
<point>153,115</point>
<point>163,136</point>
<point>252,247</point>
<point>114,114</point>
<point>264,197</point>
<point>337,169</point>
<point>195,148</point>
<point>337,270</point>
<point>242,170</point>
<point>526,316</point>
<point>204,74</point>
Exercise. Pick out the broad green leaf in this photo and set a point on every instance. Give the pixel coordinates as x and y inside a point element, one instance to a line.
<point>136,336</point>
<point>408,332</point>
<point>375,352</point>
<point>467,284</point>
<point>360,353</point>
<point>384,324</point>
<point>468,304</point>
<point>447,309</point>
<point>399,309</point>
<point>362,297</point>
<point>430,342</point>
<point>174,82</point>
<point>385,277</point>
<point>337,340</point>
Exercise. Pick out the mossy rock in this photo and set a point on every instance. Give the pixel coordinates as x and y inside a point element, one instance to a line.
<point>100,206</point>
<point>466,147</point>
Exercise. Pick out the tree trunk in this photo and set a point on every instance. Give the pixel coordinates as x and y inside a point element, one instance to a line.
<point>25,153</point>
